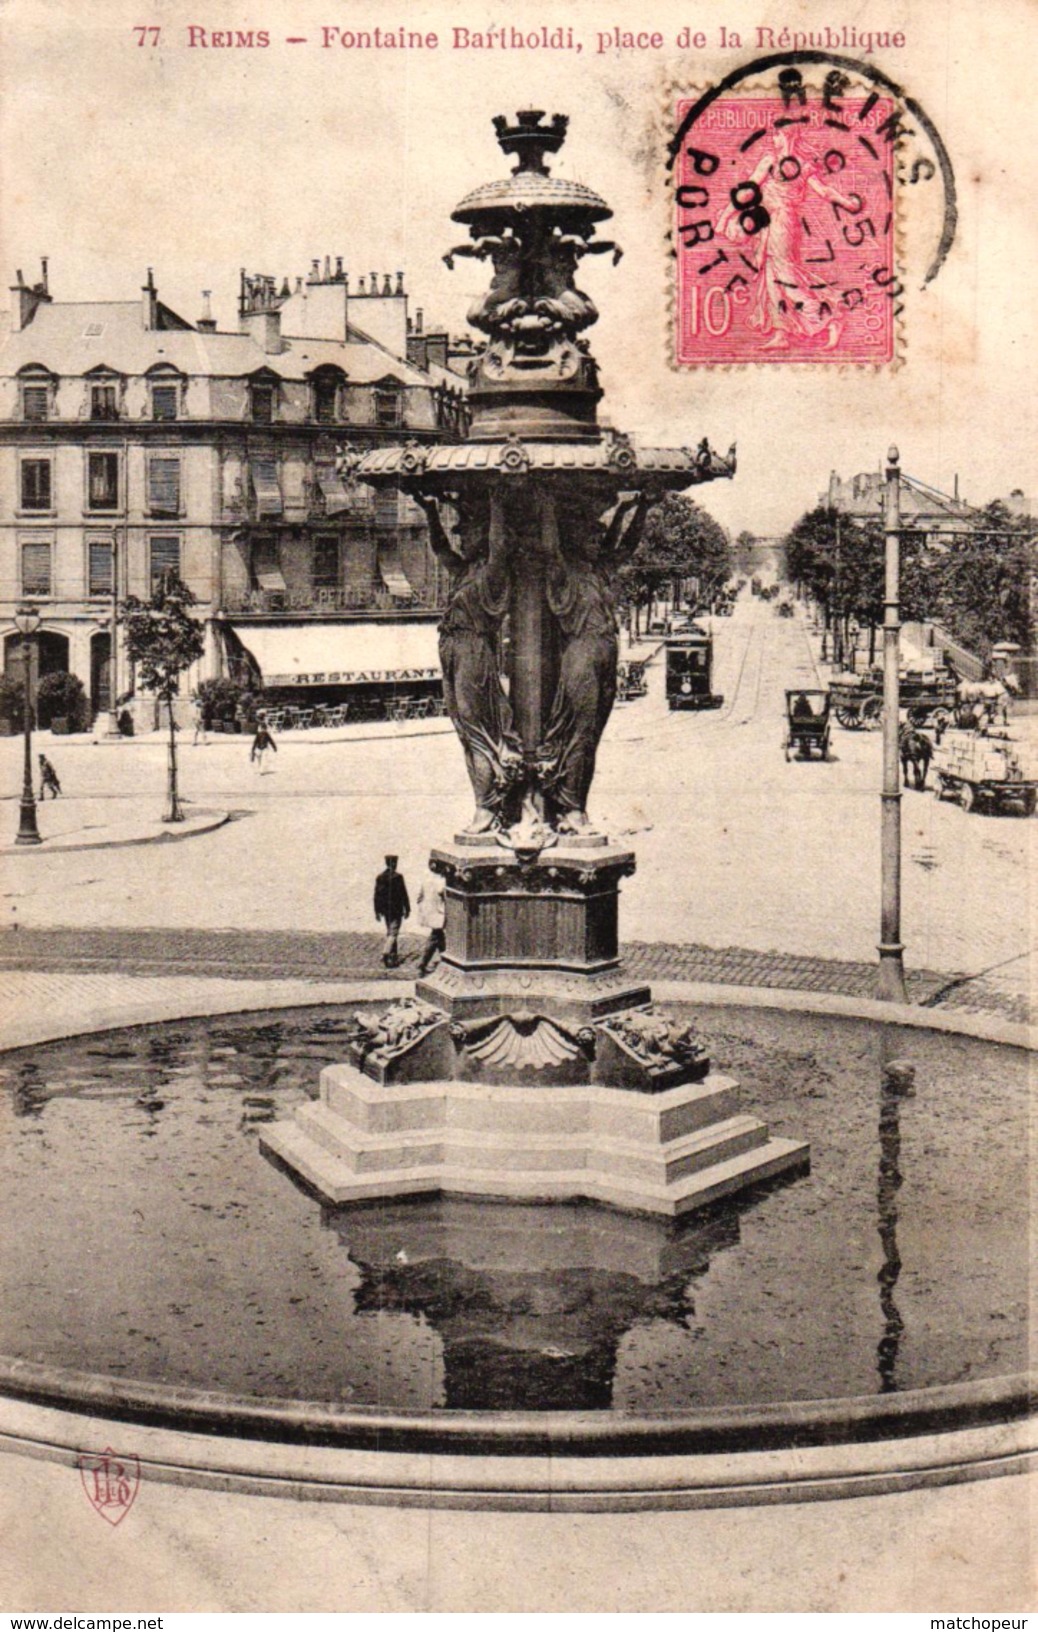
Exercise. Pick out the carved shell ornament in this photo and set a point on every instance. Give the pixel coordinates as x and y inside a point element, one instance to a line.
<point>621,454</point>
<point>413,458</point>
<point>513,457</point>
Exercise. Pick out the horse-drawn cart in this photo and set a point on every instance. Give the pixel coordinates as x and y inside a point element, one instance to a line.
<point>927,696</point>
<point>856,700</point>
<point>807,724</point>
<point>984,771</point>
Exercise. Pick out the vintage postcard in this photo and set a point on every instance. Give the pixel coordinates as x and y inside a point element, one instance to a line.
<point>519,749</point>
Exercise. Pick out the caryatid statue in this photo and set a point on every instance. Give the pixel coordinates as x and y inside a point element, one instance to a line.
<point>476,702</point>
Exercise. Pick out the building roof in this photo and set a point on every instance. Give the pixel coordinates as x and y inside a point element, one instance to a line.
<point>73,337</point>
<point>862,495</point>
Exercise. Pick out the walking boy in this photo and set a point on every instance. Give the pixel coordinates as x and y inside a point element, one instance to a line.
<point>260,743</point>
<point>48,778</point>
<point>392,906</point>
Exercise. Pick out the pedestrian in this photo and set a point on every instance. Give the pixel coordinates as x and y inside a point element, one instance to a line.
<point>260,743</point>
<point>201,721</point>
<point>392,906</point>
<point>432,914</point>
<point>48,778</point>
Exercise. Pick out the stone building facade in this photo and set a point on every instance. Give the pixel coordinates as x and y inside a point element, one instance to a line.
<point>132,441</point>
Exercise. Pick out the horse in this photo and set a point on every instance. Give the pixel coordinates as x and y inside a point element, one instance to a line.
<point>916,751</point>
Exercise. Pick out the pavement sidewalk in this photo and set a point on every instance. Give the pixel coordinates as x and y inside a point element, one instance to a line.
<point>104,824</point>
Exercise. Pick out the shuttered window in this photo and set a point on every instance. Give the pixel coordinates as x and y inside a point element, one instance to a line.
<point>36,569</point>
<point>326,561</point>
<point>104,403</point>
<point>326,394</point>
<point>163,556</point>
<point>388,407</point>
<point>102,481</point>
<point>387,507</point>
<point>164,487</point>
<point>99,567</point>
<point>35,402</point>
<point>266,565</point>
<point>163,402</point>
<point>35,484</point>
<point>262,404</point>
<point>265,486</point>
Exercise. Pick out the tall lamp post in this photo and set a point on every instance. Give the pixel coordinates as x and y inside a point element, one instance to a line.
<point>27,621</point>
<point>891,951</point>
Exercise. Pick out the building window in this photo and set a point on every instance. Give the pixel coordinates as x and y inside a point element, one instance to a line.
<point>326,400</point>
<point>104,402</point>
<point>35,484</point>
<point>266,563</point>
<point>163,402</point>
<point>36,569</point>
<point>100,566</point>
<point>388,405</point>
<point>163,557</point>
<point>35,402</point>
<point>326,561</point>
<point>102,481</point>
<point>164,487</point>
<point>261,404</point>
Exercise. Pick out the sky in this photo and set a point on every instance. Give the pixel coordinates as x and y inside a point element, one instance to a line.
<point>116,156</point>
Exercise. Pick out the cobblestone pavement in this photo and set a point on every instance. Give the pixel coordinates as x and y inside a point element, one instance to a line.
<point>244,955</point>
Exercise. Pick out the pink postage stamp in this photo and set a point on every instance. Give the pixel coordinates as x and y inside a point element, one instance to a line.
<point>784,231</point>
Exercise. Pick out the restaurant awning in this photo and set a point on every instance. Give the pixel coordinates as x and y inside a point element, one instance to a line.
<point>342,654</point>
<point>391,571</point>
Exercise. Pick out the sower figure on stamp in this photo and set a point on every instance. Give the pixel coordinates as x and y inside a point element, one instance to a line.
<point>472,690</point>
<point>580,594</point>
<point>392,906</point>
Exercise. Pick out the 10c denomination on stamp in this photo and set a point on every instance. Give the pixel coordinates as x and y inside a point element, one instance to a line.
<point>785,226</point>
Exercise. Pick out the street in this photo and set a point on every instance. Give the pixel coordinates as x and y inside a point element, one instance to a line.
<point>735,847</point>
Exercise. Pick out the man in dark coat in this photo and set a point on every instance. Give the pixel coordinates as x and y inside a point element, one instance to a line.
<point>392,906</point>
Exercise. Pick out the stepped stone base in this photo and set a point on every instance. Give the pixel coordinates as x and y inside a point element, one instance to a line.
<point>663,1153</point>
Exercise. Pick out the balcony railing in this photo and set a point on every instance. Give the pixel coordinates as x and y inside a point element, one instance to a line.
<point>347,598</point>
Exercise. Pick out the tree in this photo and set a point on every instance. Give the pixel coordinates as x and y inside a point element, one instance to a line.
<point>163,639</point>
<point>982,581</point>
<point>680,540</point>
<point>743,553</point>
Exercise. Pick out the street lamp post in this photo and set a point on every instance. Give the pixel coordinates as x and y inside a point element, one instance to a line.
<point>27,621</point>
<point>891,951</point>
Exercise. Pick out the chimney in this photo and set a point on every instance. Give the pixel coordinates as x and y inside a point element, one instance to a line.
<point>264,326</point>
<point>418,319</point>
<point>373,283</point>
<point>955,489</point>
<point>315,272</point>
<point>338,266</point>
<point>436,349</point>
<point>360,286</point>
<point>207,321</point>
<point>43,285</point>
<point>400,283</point>
<point>387,284</point>
<point>27,300</point>
<point>327,269</point>
<point>834,490</point>
<point>149,302</point>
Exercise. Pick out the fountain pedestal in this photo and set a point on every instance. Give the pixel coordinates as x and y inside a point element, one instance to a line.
<point>528,1065</point>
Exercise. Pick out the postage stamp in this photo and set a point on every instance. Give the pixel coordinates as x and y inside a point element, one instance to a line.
<point>785,229</point>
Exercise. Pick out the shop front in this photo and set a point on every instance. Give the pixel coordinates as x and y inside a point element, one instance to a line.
<point>376,669</point>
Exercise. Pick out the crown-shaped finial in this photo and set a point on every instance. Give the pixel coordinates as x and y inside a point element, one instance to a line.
<point>529,140</point>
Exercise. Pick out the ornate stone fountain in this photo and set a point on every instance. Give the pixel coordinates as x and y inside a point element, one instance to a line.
<point>528,1065</point>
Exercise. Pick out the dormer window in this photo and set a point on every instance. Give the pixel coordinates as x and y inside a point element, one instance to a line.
<point>389,403</point>
<point>164,402</point>
<point>325,386</point>
<point>37,395</point>
<point>261,403</point>
<point>104,401</point>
